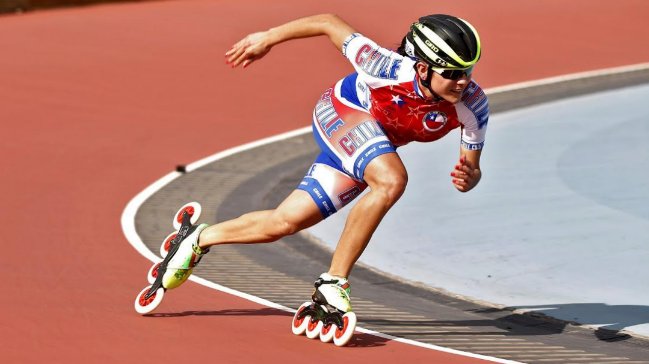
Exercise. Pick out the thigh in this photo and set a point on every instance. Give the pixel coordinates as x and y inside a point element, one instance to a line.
<point>330,188</point>
<point>386,170</point>
<point>299,210</point>
<point>347,134</point>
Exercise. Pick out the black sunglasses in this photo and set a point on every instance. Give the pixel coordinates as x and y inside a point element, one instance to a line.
<point>454,74</point>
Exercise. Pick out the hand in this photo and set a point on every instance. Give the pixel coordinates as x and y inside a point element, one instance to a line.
<point>464,176</point>
<point>248,50</point>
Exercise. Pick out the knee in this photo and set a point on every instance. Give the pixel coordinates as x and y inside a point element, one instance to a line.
<point>391,186</point>
<point>280,226</point>
<point>387,178</point>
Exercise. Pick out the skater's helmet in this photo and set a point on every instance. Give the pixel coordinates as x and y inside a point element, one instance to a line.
<point>443,42</point>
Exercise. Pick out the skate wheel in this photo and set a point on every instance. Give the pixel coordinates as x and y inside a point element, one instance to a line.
<point>193,209</point>
<point>166,244</point>
<point>313,328</point>
<point>153,273</point>
<point>342,336</point>
<point>327,333</point>
<point>298,326</point>
<point>143,305</point>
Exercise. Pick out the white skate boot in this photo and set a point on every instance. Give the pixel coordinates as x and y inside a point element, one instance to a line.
<point>330,314</point>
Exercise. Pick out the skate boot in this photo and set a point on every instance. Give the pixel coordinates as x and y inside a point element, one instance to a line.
<point>182,263</point>
<point>329,314</point>
<point>181,254</point>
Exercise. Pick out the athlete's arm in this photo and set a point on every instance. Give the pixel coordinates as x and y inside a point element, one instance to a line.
<point>467,174</point>
<point>256,45</point>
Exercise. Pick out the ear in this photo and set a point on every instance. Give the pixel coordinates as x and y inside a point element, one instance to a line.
<point>422,70</point>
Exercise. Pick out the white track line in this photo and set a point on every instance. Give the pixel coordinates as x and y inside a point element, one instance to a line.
<point>568,77</point>
<point>128,216</point>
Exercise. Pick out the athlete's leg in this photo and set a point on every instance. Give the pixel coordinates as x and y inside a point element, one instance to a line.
<point>297,212</point>
<point>387,179</point>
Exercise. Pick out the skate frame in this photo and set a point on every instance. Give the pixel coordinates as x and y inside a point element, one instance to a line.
<point>183,232</point>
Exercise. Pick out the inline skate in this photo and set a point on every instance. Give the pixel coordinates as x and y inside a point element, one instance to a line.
<point>180,253</point>
<point>329,314</point>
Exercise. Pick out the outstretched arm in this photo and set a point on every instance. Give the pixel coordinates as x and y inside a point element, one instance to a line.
<point>467,173</point>
<point>256,45</point>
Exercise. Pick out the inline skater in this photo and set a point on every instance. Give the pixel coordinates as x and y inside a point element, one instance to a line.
<point>420,93</point>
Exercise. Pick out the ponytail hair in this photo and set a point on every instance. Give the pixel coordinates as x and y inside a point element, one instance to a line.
<point>402,47</point>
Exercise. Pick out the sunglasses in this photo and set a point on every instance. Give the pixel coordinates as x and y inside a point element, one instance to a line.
<point>454,74</point>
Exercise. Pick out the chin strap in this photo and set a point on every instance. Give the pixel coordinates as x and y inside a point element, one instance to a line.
<point>426,83</point>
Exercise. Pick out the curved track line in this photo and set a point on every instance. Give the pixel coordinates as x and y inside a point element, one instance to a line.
<point>128,226</point>
<point>128,216</point>
<point>568,77</point>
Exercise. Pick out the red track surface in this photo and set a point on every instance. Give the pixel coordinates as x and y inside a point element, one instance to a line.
<point>97,103</point>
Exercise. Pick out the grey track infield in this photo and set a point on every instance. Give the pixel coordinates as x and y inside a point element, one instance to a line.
<point>283,271</point>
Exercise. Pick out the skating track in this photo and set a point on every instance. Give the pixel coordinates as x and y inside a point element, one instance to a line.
<point>99,102</point>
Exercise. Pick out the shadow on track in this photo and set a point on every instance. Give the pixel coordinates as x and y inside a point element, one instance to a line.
<point>366,341</point>
<point>540,321</point>
<point>554,318</point>
<point>358,341</point>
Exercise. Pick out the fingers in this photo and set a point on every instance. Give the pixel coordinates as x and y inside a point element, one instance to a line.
<point>462,171</point>
<point>463,168</point>
<point>233,49</point>
<point>461,181</point>
<point>240,57</point>
<point>249,49</point>
<point>239,52</point>
<point>464,177</point>
<point>461,185</point>
<point>236,55</point>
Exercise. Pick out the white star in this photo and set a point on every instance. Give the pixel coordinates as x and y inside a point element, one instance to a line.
<point>397,100</point>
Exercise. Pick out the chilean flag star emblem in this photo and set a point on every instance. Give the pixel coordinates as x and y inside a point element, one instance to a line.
<point>434,120</point>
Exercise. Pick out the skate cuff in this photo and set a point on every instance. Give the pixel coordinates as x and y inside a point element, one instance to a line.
<point>198,250</point>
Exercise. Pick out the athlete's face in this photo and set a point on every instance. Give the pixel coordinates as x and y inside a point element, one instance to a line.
<point>449,89</point>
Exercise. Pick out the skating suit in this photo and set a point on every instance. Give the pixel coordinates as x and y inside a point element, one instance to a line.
<point>375,110</point>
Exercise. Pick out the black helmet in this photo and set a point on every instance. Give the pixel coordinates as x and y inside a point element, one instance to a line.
<point>443,41</point>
